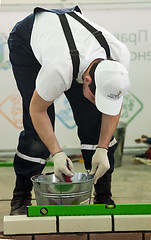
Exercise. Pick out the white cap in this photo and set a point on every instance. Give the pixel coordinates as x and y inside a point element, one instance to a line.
<point>112,82</point>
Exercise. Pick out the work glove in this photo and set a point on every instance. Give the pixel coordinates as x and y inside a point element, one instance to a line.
<point>60,166</point>
<point>100,163</point>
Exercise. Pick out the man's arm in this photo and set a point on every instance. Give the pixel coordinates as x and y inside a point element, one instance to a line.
<point>42,123</point>
<point>108,127</point>
<point>43,126</point>
<point>100,161</point>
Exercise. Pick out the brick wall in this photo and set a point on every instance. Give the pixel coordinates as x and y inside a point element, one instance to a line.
<point>83,236</point>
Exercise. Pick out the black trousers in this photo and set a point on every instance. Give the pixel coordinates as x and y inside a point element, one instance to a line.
<point>31,151</point>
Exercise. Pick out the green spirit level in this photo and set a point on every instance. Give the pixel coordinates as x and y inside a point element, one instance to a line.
<point>83,210</point>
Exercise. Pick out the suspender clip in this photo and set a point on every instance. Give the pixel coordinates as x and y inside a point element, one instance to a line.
<point>74,52</point>
<point>97,33</point>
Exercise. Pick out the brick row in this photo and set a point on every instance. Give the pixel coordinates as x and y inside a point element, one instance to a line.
<point>82,236</point>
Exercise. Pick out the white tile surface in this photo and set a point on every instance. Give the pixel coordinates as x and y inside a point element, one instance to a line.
<point>28,225</point>
<point>85,224</point>
<point>132,222</point>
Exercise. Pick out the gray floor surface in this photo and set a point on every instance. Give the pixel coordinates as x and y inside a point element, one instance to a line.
<point>131,183</point>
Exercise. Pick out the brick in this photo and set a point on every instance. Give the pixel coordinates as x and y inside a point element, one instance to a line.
<point>116,236</point>
<point>79,236</point>
<point>21,224</point>
<point>132,222</point>
<point>147,236</point>
<point>15,237</point>
<point>85,224</point>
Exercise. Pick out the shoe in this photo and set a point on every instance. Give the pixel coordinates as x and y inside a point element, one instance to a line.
<point>22,210</point>
<point>21,199</point>
<point>104,200</point>
<point>19,203</point>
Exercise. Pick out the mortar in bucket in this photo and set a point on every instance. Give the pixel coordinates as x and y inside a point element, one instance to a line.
<point>50,191</point>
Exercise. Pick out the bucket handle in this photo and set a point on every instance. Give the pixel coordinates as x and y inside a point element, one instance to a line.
<point>49,173</point>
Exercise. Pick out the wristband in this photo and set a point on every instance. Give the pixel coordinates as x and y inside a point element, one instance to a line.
<point>56,153</point>
<point>102,147</point>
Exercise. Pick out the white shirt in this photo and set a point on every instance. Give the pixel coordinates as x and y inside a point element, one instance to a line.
<point>51,50</point>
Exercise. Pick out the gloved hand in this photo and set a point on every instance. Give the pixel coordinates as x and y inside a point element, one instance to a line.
<point>100,163</point>
<point>60,166</point>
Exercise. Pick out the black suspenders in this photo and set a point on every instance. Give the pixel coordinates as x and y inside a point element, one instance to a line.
<point>97,34</point>
<point>71,43</point>
<point>69,37</point>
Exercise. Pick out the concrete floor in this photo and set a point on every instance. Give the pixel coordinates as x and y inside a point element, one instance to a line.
<point>131,183</point>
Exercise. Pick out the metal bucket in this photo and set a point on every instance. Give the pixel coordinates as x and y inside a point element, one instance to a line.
<point>50,191</point>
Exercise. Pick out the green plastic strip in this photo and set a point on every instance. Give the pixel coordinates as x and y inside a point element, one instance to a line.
<point>6,164</point>
<point>10,164</point>
<point>82,210</point>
